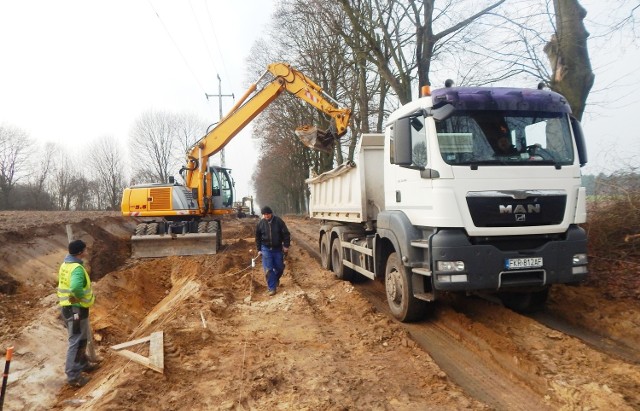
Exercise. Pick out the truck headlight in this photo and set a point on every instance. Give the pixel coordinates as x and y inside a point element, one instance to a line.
<point>579,259</point>
<point>579,264</point>
<point>450,266</point>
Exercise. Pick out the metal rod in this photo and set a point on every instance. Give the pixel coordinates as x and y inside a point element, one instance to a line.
<point>5,376</point>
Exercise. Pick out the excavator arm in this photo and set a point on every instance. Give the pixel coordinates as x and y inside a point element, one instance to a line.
<point>181,214</point>
<point>253,103</point>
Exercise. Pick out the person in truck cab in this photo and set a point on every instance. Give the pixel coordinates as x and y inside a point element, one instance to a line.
<point>272,242</point>
<point>505,147</point>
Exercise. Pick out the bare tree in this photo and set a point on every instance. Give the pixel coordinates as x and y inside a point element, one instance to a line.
<point>153,144</point>
<point>83,193</point>
<point>40,177</point>
<point>307,43</point>
<point>284,162</point>
<point>400,36</point>
<point>189,128</point>
<point>15,147</point>
<point>107,166</point>
<point>380,49</point>
<point>62,185</point>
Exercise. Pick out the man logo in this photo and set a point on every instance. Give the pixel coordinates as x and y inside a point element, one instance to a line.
<point>520,209</point>
<point>521,217</point>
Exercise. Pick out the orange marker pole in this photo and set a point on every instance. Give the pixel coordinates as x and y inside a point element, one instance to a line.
<point>5,376</point>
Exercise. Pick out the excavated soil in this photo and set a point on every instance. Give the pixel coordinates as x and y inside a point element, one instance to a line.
<point>318,344</point>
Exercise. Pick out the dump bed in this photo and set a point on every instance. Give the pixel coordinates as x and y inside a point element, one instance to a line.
<point>351,192</point>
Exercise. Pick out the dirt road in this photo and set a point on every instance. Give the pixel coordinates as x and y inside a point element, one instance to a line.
<point>318,344</point>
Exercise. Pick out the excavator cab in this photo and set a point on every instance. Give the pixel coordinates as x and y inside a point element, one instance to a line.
<point>221,188</point>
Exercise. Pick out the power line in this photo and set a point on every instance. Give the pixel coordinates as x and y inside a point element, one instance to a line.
<point>176,46</point>
<point>204,40</point>
<point>216,39</point>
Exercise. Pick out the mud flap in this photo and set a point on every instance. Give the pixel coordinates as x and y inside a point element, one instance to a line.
<point>145,246</point>
<point>315,138</point>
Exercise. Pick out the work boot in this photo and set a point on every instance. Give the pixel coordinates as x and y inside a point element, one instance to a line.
<point>81,381</point>
<point>91,366</point>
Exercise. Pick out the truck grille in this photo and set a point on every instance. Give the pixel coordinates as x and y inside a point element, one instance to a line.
<point>516,210</point>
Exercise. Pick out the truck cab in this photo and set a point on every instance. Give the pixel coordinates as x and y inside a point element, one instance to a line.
<point>482,193</point>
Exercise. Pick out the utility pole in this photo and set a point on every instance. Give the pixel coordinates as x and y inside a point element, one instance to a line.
<point>220,95</point>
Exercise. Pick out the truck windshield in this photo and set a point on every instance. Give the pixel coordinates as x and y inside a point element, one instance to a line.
<point>505,137</point>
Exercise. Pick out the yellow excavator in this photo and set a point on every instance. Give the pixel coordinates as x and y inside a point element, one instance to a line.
<point>244,208</point>
<point>183,219</point>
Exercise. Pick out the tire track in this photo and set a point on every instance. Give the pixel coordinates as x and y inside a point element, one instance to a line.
<point>596,341</point>
<point>605,345</point>
<point>483,381</point>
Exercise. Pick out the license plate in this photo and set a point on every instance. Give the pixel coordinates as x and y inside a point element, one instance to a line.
<point>515,263</point>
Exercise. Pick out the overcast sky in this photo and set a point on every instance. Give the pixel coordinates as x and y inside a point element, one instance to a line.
<point>76,70</point>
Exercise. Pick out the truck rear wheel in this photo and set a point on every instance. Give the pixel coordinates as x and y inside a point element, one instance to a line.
<point>325,252</point>
<point>404,306</point>
<point>342,272</point>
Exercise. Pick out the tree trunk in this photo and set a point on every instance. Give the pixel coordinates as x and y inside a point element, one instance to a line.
<point>567,51</point>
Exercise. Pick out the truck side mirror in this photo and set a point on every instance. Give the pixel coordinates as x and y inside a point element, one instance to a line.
<point>580,143</point>
<point>442,112</point>
<point>402,142</point>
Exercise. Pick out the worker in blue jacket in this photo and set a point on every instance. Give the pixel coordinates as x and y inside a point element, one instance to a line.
<point>272,242</point>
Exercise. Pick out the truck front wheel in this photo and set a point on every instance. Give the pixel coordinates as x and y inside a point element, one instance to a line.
<point>342,272</point>
<point>404,306</point>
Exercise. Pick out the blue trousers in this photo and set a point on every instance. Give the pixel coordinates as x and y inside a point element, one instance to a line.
<point>78,331</point>
<point>273,265</point>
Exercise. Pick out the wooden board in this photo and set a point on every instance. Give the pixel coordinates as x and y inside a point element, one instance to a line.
<point>155,360</point>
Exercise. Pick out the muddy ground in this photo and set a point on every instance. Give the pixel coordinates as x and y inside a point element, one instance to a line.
<point>318,344</point>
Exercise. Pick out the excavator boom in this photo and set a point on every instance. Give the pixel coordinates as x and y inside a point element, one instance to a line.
<point>253,102</point>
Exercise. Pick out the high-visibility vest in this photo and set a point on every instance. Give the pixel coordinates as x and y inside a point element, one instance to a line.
<point>64,286</point>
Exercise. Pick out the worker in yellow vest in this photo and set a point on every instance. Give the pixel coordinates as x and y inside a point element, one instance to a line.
<point>75,296</point>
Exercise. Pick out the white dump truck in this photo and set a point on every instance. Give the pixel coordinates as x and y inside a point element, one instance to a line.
<point>473,190</point>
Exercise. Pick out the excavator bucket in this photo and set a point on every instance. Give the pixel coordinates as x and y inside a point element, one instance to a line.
<point>317,139</point>
<point>145,246</point>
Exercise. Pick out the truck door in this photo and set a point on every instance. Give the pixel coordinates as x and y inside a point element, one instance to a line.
<point>406,187</point>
